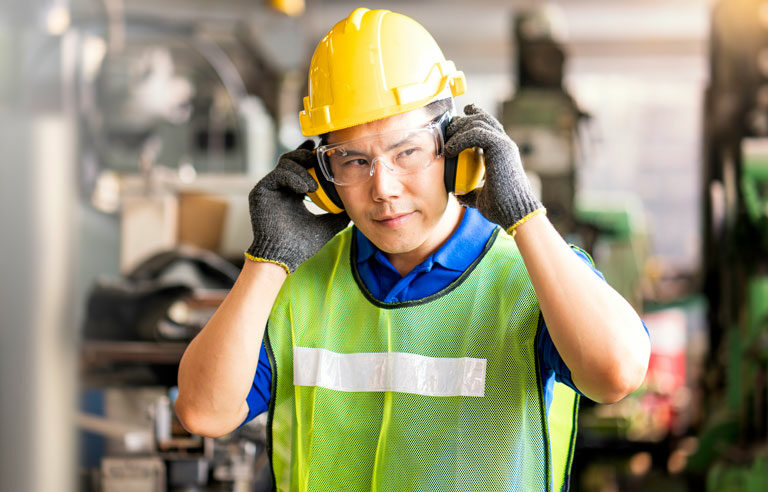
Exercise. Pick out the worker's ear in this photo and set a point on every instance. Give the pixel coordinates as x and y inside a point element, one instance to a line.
<point>325,196</point>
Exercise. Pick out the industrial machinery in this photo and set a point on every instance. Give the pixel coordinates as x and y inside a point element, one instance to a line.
<point>548,126</point>
<point>136,329</point>
<point>733,442</point>
<point>542,117</point>
<point>645,430</point>
<point>167,298</point>
<point>144,448</point>
<point>178,116</point>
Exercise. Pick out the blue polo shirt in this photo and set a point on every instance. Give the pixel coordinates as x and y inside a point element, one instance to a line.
<point>435,273</point>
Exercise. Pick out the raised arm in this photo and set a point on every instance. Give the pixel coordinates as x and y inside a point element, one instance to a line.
<point>596,332</point>
<point>218,366</point>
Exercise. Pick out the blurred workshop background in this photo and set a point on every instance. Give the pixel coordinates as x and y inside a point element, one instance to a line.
<point>132,131</point>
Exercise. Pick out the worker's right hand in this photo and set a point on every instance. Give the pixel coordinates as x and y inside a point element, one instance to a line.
<point>284,231</point>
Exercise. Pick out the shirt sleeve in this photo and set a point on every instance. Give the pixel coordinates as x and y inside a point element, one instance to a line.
<point>548,355</point>
<point>261,388</point>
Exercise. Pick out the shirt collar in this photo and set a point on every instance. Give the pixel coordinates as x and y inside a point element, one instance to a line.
<point>365,248</point>
<point>466,244</point>
<point>461,249</point>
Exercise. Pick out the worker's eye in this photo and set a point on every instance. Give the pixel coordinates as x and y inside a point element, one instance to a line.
<point>408,152</point>
<point>355,163</point>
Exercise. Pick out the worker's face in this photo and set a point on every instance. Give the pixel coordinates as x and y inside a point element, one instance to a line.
<point>398,213</point>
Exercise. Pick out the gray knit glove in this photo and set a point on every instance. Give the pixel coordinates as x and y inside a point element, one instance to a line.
<point>506,197</point>
<point>284,231</point>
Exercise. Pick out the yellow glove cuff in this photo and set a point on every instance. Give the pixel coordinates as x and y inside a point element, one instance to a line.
<point>262,260</point>
<point>512,230</point>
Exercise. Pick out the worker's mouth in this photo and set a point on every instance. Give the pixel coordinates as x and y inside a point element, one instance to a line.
<point>394,221</point>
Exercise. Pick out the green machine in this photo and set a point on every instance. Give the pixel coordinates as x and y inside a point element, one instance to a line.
<point>620,243</point>
<point>754,187</point>
<point>732,452</point>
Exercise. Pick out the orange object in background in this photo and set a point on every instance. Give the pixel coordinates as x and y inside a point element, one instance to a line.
<point>201,220</point>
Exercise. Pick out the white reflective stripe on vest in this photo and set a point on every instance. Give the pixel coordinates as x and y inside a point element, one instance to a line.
<point>389,371</point>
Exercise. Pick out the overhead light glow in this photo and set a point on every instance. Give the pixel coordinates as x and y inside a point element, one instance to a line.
<point>94,49</point>
<point>57,20</point>
<point>288,7</point>
<point>762,14</point>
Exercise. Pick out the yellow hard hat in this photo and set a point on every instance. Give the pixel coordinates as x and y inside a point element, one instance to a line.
<point>371,65</point>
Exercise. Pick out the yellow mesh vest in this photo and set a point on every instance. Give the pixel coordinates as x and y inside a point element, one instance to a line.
<point>396,430</point>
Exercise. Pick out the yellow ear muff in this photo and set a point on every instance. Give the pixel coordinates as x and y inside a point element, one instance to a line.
<point>470,170</point>
<point>320,198</point>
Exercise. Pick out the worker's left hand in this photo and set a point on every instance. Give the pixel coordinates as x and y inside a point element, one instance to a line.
<point>506,197</point>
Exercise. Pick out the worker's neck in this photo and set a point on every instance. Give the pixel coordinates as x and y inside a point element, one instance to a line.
<point>449,222</point>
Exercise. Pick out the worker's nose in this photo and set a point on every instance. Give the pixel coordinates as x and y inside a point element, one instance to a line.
<point>384,183</point>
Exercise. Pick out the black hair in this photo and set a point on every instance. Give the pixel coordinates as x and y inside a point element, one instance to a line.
<point>440,107</point>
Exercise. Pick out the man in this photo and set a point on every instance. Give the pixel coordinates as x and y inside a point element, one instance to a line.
<point>418,349</point>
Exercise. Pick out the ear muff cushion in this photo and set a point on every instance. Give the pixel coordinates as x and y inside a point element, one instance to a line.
<point>326,187</point>
<point>450,174</point>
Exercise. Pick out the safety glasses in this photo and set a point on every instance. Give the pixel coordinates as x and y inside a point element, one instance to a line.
<point>400,151</point>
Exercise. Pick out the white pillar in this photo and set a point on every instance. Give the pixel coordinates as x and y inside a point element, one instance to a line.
<point>38,342</point>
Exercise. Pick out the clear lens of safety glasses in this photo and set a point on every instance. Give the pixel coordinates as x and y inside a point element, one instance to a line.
<point>400,151</point>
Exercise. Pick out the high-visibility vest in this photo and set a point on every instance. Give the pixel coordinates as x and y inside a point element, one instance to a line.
<point>441,393</point>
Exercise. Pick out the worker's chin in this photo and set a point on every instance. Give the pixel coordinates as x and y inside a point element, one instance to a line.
<point>394,241</point>
<point>395,248</point>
